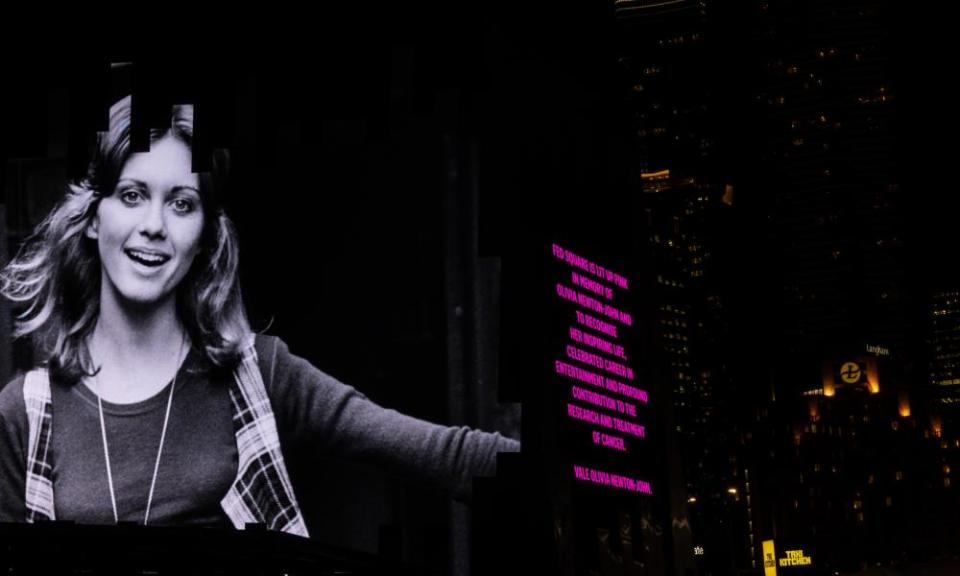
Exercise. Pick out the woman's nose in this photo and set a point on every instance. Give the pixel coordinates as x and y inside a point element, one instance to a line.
<point>153,224</point>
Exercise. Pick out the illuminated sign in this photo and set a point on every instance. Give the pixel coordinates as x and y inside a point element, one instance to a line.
<point>698,550</point>
<point>878,350</point>
<point>851,372</point>
<point>602,395</point>
<point>795,558</point>
<point>769,559</point>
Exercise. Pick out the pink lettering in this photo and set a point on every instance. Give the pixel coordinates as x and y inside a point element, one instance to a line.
<point>612,312</point>
<point>594,379</point>
<point>591,303</point>
<point>587,358</point>
<point>629,428</point>
<point>596,324</point>
<point>566,293</point>
<point>582,263</point>
<point>591,285</point>
<point>578,413</point>
<point>593,398</point>
<point>581,473</point>
<point>597,362</point>
<point>570,371</point>
<point>585,474</point>
<point>609,441</point>
<point>602,401</point>
<point>598,343</point>
<point>586,415</point>
<point>576,335</point>
<point>630,391</point>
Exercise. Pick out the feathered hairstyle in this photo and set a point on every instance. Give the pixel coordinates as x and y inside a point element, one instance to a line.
<point>55,278</point>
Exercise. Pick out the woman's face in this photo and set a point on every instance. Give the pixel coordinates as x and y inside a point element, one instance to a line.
<point>148,230</point>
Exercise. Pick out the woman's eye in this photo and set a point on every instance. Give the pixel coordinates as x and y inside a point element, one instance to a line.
<point>183,206</point>
<point>131,197</point>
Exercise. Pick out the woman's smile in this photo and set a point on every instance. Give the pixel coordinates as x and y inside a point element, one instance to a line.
<point>148,230</point>
<point>146,258</point>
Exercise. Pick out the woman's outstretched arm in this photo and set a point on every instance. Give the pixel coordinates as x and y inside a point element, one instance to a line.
<point>316,410</point>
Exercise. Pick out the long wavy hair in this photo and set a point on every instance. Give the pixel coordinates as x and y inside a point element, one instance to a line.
<point>55,278</point>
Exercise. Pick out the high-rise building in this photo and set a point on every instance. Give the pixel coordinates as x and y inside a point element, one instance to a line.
<point>849,462</point>
<point>832,186</point>
<point>666,59</point>
<point>944,340</point>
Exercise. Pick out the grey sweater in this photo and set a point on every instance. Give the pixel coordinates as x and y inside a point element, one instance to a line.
<point>317,416</point>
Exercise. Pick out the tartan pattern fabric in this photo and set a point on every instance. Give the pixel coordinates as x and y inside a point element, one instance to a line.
<point>262,491</point>
<point>39,481</point>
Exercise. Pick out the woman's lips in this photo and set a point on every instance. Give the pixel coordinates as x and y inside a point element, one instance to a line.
<point>146,257</point>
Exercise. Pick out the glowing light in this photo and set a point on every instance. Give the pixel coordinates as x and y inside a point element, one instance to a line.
<point>728,195</point>
<point>769,562</point>
<point>797,557</point>
<point>659,175</point>
<point>731,490</point>
<point>692,500</point>
<point>903,404</point>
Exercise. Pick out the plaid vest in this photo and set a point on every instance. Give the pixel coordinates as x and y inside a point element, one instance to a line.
<point>261,493</point>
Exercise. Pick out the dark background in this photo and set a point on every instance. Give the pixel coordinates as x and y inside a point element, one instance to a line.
<point>355,141</point>
<point>386,158</point>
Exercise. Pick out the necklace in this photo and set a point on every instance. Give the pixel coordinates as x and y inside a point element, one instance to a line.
<point>163,436</point>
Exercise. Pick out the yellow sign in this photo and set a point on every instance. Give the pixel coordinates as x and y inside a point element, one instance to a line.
<point>795,558</point>
<point>769,563</point>
<point>850,372</point>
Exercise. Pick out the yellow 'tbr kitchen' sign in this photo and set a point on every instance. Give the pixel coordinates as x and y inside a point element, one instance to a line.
<point>791,559</point>
<point>795,558</point>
